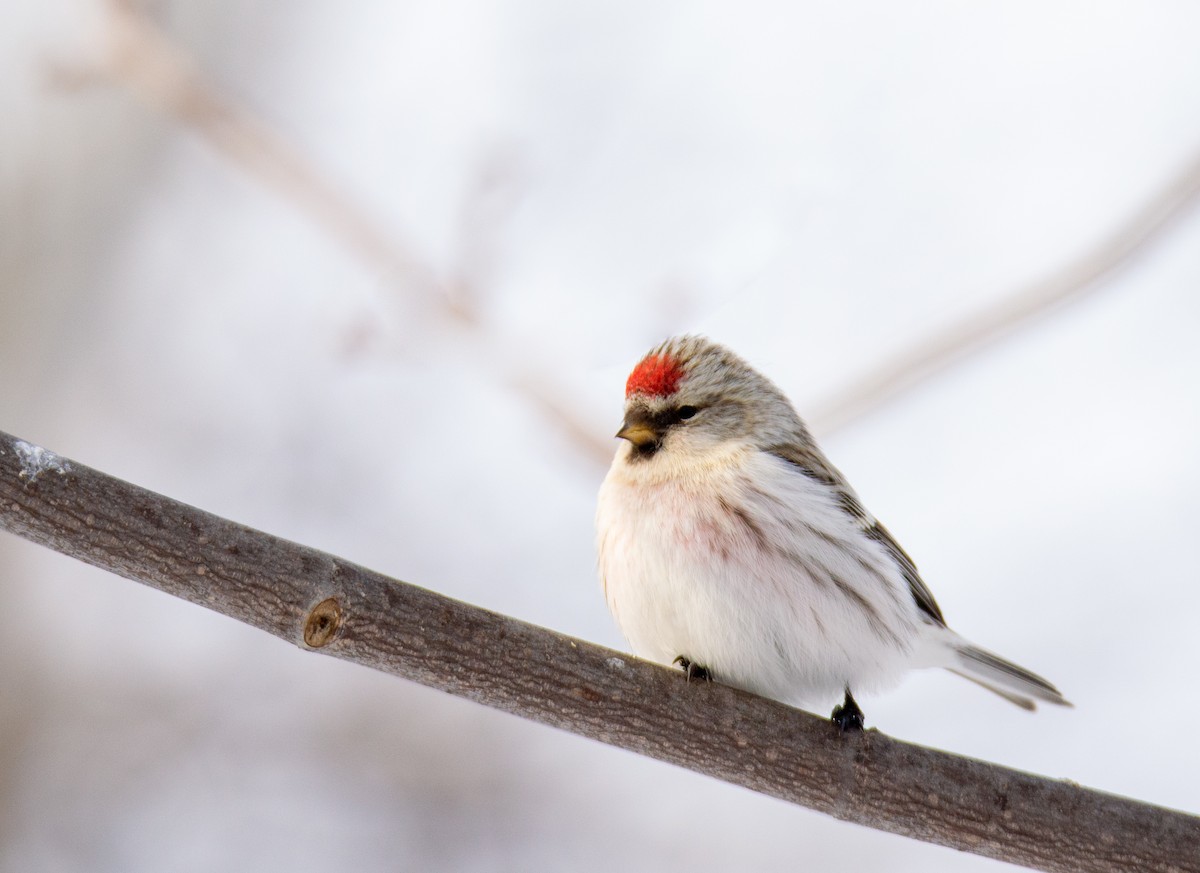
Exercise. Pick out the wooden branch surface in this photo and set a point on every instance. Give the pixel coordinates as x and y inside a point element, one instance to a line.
<point>321,603</point>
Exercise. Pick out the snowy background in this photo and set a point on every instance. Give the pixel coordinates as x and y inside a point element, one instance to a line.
<point>487,208</point>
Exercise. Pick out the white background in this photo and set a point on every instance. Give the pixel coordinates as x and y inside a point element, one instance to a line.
<point>819,187</point>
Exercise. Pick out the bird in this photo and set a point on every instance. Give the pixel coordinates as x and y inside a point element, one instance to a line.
<point>729,546</point>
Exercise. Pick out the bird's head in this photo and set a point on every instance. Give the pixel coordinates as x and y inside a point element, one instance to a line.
<point>690,395</point>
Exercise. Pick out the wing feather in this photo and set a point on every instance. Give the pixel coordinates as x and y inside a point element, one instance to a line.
<point>812,463</point>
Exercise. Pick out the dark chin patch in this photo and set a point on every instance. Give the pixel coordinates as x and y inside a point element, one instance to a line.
<point>645,451</point>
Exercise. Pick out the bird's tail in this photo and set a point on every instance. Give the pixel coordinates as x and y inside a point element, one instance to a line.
<point>1015,684</point>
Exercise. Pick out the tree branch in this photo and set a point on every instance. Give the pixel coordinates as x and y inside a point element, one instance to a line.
<point>322,603</point>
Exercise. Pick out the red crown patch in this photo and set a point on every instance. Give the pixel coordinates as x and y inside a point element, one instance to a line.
<point>656,375</point>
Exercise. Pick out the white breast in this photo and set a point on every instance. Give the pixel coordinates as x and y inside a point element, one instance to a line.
<point>750,568</point>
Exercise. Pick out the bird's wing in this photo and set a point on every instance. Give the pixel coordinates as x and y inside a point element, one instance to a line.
<point>916,585</point>
<point>815,465</point>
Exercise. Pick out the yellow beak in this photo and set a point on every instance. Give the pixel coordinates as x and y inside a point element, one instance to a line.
<point>639,434</point>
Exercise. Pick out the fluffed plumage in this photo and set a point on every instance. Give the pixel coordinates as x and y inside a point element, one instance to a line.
<point>729,542</point>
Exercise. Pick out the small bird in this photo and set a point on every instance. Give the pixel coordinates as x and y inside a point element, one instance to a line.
<point>729,545</point>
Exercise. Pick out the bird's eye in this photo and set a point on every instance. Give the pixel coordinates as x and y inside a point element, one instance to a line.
<point>687,412</point>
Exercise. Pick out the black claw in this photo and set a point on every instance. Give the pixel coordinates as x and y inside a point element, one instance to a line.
<point>693,671</point>
<point>848,717</point>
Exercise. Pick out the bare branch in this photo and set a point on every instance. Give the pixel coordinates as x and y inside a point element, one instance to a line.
<point>932,354</point>
<point>322,603</point>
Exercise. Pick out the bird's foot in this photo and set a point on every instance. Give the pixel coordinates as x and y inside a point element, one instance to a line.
<point>848,717</point>
<point>693,671</point>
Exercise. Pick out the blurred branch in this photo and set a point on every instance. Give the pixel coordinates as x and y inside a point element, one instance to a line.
<point>1086,275</point>
<point>322,603</point>
<point>158,72</point>
<point>492,195</point>
<point>143,59</point>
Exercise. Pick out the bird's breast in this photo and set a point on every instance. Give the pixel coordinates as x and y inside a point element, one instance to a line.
<point>752,569</point>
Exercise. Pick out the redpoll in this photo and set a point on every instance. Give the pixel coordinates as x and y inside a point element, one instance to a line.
<point>728,544</point>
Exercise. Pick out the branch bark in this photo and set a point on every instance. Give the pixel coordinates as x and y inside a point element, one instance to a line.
<point>321,603</point>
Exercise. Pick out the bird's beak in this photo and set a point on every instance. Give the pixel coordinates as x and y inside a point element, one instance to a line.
<point>639,433</point>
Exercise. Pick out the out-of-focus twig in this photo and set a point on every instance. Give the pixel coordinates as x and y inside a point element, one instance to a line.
<point>493,193</point>
<point>322,603</point>
<point>152,67</point>
<point>160,74</point>
<point>934,353</point>
<point>143,59</point>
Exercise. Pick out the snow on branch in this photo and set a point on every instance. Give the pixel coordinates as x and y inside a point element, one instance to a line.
<point>319,602</point>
